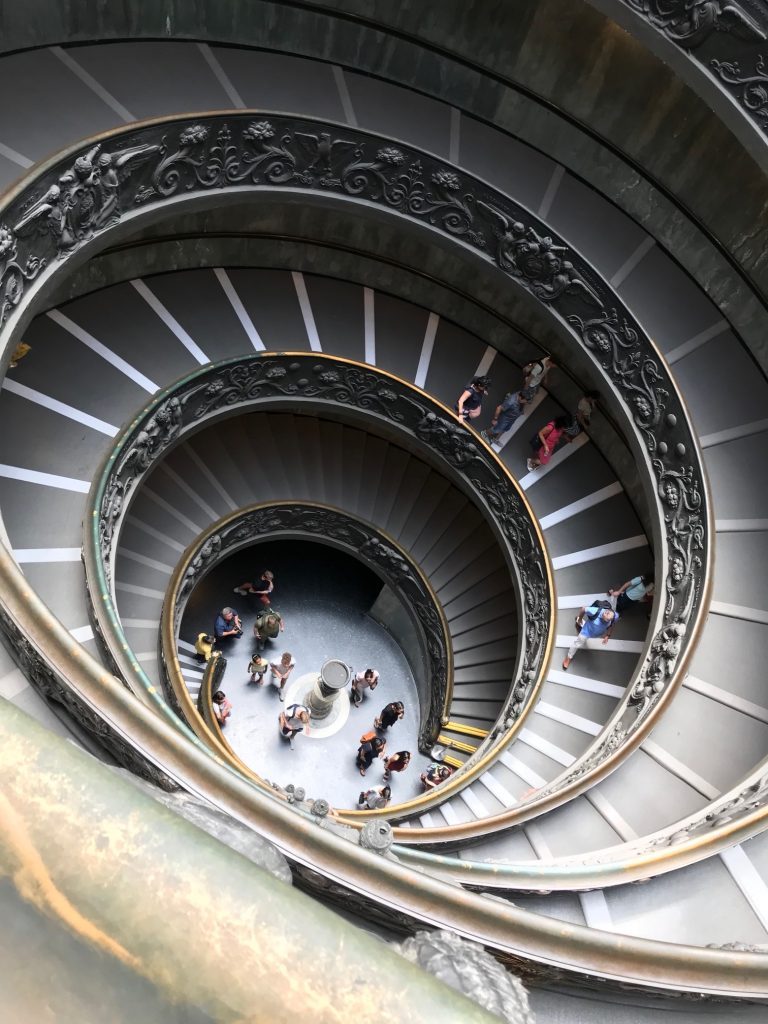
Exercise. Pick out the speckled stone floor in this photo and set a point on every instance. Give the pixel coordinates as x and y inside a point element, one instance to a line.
<point>323,596</point>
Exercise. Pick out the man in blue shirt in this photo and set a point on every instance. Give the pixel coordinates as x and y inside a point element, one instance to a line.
<point>597,621</point>
<point>507,412</point>
<point>227,624</point>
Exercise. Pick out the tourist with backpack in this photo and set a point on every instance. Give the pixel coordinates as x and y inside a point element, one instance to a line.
<point>268,625</point>
<point>593,623</point>
<point>293,720</point>
<point>638,589</point>
<point>374,799</point>
<point>435,774</point>
<point>371,746</point>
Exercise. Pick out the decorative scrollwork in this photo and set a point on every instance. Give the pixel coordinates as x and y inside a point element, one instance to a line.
<point>752,92</point>
<point>13,276</point>
<point>736,805</point>
<point>148,443</point>
<point>691,22</point>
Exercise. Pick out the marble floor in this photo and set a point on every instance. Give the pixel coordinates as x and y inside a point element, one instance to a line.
<point>323,596</point>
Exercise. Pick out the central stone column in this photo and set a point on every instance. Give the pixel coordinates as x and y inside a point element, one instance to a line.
<point>334,677</point>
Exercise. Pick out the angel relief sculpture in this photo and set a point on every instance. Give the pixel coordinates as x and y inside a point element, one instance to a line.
<point>86,197</point>
<point>536,259</point>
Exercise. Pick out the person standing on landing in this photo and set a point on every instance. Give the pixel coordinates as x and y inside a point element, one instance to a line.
<point>227,624</point>
<point>369,749</point>
<point>268,625</point>
<point>470,401</point>
<point>374,799</point>
<point>293,720</point>
<point>280,670</point>
<point>389,715</point>
<point>262,588</point>
<point>435,774</point>
<point>396,763</point>
<point>367,680</point>
<point>597,622</point>
<point>257,666</point>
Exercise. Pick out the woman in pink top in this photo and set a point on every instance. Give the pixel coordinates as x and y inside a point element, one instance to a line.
<point>545,442</point>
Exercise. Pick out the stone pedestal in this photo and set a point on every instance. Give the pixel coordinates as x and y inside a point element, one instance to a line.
<point>334,677</point>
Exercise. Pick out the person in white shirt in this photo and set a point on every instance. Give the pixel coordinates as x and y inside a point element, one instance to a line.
<point>280,670</point>
<point>293,720</point>
<point>367,680</point>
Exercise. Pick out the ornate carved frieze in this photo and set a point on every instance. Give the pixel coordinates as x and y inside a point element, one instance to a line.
<point>724,37</point>
<point>751,90</point>
<point>362,541</point>
<point>691,22</point>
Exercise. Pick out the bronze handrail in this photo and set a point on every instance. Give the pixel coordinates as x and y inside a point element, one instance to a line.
<point>349,388</point>
<point>562,951</point>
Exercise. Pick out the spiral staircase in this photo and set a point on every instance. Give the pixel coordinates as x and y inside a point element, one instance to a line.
<point>680,812</point>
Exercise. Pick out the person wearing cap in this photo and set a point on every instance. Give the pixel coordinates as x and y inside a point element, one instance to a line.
<point>510,409</point>
<point>470,401</point>
<point>597,622</point>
